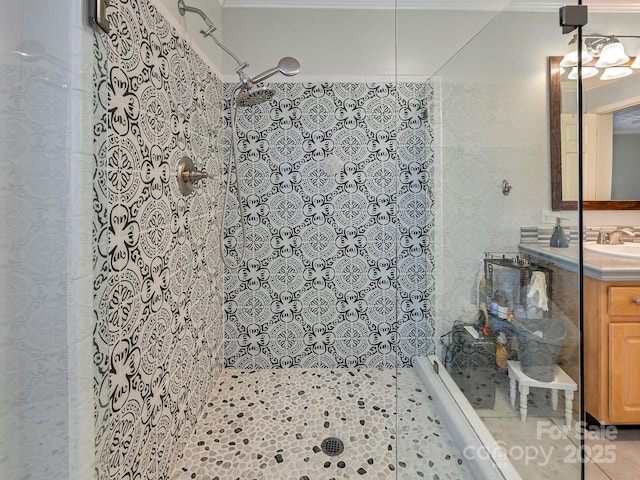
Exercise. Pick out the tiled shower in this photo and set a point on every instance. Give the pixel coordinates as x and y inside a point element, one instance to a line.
<point>335,180</point>
<point>123,328</point>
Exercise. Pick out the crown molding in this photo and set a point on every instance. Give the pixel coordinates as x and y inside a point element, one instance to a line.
<point>471,5</point>
<point>601,6</point>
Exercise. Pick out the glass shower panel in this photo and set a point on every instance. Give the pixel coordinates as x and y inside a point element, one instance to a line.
<point>505,304</point>
<point>611,136</point>
<point>419,417</point>
<point>46,394</point>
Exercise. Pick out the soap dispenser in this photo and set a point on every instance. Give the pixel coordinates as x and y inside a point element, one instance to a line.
<point>559,238</point>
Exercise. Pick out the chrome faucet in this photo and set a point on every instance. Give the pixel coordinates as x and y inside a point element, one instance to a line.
<point>615,237</point>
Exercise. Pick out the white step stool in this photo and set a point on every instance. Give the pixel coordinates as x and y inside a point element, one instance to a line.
<point>561,381</point>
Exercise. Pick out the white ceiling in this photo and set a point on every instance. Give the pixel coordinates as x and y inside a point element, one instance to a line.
<point>469,5</point>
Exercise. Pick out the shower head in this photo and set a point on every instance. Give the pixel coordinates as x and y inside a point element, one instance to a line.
<point>288,66</point>
<point>254,95</point>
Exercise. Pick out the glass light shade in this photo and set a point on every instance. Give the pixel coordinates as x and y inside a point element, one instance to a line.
<point>612,55</point>
<point>571,58</point>
<point>613,73</point>
<point>636,62</point>
<point>587,72</point>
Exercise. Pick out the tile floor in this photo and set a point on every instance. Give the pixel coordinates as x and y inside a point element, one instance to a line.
<point>541,448</point>
<point>615,457</point>
<point>270,424</point>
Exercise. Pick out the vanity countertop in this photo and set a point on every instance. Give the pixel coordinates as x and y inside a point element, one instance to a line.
<point>606,268</point>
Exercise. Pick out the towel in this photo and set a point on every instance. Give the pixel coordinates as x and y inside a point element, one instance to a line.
<point>537,295</point>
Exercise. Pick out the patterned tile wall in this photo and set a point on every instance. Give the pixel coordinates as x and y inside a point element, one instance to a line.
<point>335,179</point>
<point>159,288</point>
<point>101,329</point>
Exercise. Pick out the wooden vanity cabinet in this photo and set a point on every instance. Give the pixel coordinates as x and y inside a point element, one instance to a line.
<point>612,351</point>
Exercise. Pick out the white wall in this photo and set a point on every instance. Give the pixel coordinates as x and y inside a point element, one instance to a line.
<point>326,42</point>
<point>428,39</point>
<point>493,125</point>
<point>346,43</point>
<point>626,172</point>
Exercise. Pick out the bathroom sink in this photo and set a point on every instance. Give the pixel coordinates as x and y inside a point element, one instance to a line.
<point>622,250</point>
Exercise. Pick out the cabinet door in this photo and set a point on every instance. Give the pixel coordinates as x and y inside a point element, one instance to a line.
<point>624,369</point>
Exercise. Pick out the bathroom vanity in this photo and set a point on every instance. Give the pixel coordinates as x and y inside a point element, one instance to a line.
<point>611,330</point>
<point>612,350</point>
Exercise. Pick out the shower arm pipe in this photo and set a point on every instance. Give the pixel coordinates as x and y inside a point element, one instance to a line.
<point>183,8</point>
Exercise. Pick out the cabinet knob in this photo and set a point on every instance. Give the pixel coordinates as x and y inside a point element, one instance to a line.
<point>636,301</point>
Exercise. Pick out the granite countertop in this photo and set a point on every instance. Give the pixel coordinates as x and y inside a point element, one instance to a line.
<point>600,266</point>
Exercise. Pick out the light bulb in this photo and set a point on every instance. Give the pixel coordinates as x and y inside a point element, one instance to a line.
<point>587,72</point>
<point>612,73</point>
<point>571,58</point>
<point>612,55</point>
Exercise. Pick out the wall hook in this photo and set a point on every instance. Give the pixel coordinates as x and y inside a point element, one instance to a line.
<point>506,187</point>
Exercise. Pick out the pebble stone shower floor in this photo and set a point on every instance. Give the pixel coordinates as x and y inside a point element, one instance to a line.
<point>270,425</point>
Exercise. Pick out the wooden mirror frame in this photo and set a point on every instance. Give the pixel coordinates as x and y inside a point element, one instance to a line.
<point>555,108</point>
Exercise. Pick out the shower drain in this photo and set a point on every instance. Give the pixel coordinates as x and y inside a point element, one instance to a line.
<point>332,446</point>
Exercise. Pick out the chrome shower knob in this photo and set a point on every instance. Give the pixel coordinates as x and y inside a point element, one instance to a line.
<point>187,175</point>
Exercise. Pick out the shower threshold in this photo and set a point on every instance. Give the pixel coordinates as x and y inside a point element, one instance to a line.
<point>487,458</point>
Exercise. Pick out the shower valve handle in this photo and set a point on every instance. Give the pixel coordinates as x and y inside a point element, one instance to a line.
<point>192,176</point>
<point>187,175</point>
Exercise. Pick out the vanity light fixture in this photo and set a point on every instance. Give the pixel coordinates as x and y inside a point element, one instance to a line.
<point>608,48</point>
<point>600,52</point>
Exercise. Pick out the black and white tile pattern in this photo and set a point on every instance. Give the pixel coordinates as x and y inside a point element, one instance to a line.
<point>336,189</point>
<point>159,288</point>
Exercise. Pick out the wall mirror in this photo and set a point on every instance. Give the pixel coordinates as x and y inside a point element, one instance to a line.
<point>611,139</point>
